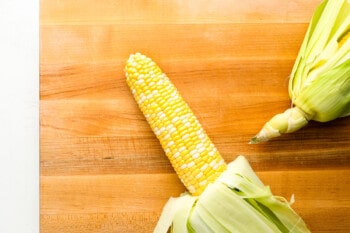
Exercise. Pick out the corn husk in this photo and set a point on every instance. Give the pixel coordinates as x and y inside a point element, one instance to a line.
<point>319,85</point>
<point>236,202</point>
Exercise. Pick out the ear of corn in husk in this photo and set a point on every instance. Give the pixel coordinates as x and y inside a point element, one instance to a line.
<point>319,85</point>
<point>221,198</point>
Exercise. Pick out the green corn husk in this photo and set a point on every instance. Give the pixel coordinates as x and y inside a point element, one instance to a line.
<point>236,202</point>
<point>319,85</point>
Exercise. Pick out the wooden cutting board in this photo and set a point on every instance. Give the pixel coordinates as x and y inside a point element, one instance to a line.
<point>103,170</point>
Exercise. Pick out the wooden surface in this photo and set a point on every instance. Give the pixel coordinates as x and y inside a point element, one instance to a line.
<point>103,170</point>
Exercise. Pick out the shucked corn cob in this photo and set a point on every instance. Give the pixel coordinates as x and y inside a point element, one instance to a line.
<point>225,198</point>
<point>190,151</point>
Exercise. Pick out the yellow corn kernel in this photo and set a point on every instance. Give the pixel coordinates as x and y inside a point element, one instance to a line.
<point>193,156</point>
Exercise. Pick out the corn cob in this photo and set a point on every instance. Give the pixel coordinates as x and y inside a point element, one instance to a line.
<point>223,197</point>
<point>193,156</point>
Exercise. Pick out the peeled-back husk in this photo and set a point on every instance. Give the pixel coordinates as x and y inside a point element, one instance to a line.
<point>236,202</point>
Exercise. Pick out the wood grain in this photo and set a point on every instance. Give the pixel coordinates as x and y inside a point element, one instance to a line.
<point>103,170</point>
<point>174,12</point>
